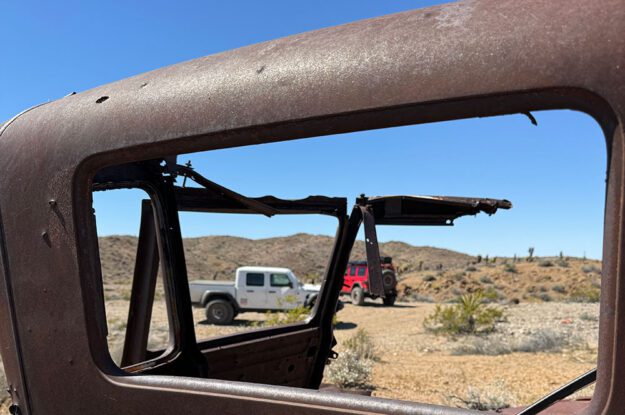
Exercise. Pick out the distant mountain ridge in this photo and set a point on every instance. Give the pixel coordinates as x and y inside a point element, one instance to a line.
<point>425,273</point>
<point>217,257</point>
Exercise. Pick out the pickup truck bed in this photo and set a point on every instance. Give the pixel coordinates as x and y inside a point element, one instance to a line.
<point>197,289</point>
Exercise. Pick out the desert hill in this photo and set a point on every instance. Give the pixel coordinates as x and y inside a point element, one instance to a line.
<point>425,273</point>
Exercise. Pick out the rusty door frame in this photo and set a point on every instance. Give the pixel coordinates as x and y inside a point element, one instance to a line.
<point>478,58</point>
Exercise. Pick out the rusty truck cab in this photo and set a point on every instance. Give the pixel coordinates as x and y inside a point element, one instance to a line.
<point>472,59</point>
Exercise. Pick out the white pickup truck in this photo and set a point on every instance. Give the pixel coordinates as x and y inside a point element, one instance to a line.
<point>254,289</point>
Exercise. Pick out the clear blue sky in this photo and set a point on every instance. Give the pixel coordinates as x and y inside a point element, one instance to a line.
<point>554,173</point>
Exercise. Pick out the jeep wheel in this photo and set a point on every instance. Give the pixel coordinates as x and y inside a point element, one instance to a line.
<point>388,280</point>
<point>389,300</point>
<point>358,296</point>
<point>219,312</point>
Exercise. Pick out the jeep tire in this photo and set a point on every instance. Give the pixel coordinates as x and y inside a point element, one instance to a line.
<point>389,300</point>
<point>357,295</point>
<point>219,312</point>
<point>389,281</point>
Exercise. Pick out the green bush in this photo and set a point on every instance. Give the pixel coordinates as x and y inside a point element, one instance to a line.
<point>352,369</point>
<point>295,315</point>
<point>468,316</point>
<point>510,268</point>
<point>588,317</point>
<point>349,371</point>
<point>491,295</point>
<point>493,397</point>
<point>588,294</point>
<point>362,345</point>
<point>485,279</point>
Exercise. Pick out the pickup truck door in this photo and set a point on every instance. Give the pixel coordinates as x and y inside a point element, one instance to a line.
<point>282,293</point>
<point>252,290</point>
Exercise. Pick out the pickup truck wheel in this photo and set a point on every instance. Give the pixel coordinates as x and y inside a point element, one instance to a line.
<point>358,296</point>
<point>389,300</point>
<point>219,312</point>
<point>310,303</point>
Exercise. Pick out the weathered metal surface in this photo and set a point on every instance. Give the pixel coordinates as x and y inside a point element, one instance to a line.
<point>570,407</point>
<point>143,288</point>
<point>460,60</point>
<point>429,210</point>
<point>547,403</point>
<point>412,211</point>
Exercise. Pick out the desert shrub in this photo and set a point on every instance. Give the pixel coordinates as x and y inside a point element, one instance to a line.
<point>428,278</point>
<point>458,276</point>
<point>510,268</point>
<point>545,263</point>
<point>295,315</point>
<point>588,317</point>
<point>362,346</point>
<point>543,340</point>
<point>468,316</point>
<point>421,298</point>
<point>490,398</point>
<point>544,297</point>
<point>482,346</point>
<point>457,292</point>
<point>352,369</point>
<point>588,294</point>
<point>485,279</point>
<point>590,268</point>
<point>471,268</point>
<point>559,289</point>
<point>491,295</point>
<point>349,371</point>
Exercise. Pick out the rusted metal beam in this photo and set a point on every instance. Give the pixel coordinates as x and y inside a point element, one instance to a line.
<point>143,287</point>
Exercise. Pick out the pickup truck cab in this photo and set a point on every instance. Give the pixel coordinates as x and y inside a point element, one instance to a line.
<point>254,289</point>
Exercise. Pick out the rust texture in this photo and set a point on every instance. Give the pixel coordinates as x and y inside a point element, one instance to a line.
<point>477,58</point>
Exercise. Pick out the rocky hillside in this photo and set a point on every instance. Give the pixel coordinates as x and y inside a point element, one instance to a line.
<point>217,257</point>
<point>426,273</point>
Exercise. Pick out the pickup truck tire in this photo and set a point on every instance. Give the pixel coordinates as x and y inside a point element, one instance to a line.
<point>389,300</point>
<point>358,296</point>
<point>219,312</point>
<point>310,303</point>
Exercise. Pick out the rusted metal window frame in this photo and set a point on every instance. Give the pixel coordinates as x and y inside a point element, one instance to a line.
<point>455,61</point>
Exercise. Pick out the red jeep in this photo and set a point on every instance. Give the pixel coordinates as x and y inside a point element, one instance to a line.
<point>356,282</point>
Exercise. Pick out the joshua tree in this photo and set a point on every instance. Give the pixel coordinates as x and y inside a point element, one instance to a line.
<point>530,251</point>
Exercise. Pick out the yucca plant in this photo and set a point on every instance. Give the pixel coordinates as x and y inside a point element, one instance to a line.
<point>468,316</point>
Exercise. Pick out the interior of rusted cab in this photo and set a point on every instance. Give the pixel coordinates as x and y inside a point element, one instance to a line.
<point>293,355</point>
